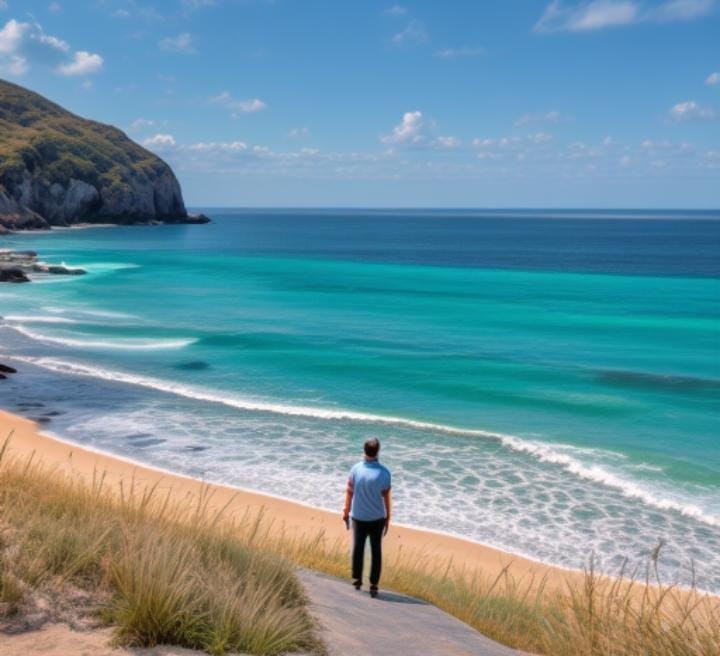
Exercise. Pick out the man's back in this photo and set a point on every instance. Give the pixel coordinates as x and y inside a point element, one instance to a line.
<point>369,481</point>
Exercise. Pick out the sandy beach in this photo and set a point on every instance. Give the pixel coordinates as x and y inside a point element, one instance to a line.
<point>294,518</point>
<point>281,515</point>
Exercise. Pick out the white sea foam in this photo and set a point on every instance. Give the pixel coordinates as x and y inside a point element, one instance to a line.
<point>546,453</point>
<point>106,267</point>
<point>554,454</point>
<point>23,318</point>
<point>102,314</point>
<point>122,343</point>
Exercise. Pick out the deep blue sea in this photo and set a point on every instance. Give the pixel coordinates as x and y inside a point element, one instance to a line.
<point>544,382</point>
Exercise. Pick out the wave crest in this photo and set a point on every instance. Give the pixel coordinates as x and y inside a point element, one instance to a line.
<point>120,343</point>
<point>23,318</point>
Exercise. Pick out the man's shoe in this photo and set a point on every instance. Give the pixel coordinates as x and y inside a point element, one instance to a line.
<point>357,583</point>
<point>373,591</point>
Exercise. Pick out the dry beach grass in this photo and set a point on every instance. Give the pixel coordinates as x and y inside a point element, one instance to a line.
<point>168,565</point>
<point>159,572</point>
<point>593,615</point>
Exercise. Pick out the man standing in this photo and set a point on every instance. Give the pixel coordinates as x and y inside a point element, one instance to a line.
<point>367,502</point>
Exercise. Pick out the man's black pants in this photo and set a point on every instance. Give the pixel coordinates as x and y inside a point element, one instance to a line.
<point>361,532</point>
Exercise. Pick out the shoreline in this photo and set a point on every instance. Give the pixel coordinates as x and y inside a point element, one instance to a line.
<point>276,497</point>
<point>293,517</point>
<point>296,519</point>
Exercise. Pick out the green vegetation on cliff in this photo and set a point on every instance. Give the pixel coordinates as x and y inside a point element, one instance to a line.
<point>58,168</point>
<point>36,133</point>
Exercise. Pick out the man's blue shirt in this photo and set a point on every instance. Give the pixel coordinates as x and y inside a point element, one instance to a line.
<point>369,480</point>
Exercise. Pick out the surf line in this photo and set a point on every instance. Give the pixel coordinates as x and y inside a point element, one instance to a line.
<point>542,452</point>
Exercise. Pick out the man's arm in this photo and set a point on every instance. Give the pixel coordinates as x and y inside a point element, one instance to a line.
<point>348,500</point>
<point>387,498</point>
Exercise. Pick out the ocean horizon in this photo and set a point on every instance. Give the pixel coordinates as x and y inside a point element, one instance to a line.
<point>546,382</point>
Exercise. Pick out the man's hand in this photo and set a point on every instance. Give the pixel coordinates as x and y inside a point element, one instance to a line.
<point>346,518</point>
<point>387,526</point>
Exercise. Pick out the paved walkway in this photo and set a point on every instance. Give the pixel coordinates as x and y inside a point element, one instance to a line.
<point>354,624</point>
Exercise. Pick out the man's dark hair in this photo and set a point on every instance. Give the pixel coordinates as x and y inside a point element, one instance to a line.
<point>371,447</point>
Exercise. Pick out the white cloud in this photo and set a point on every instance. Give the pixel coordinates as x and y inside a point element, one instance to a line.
<point>414,33</point>
<point>24,44</point>
<point>447,143</point>
<point>52,42</point>
<point>3,5</point>
<point>396,10</point>
<point>87,85</point>
<point>17,66</point>
<point>586,16</point>
<point>465,51</point>
<point>408,131</point>
<point>84,63</point>
<point>160,141</point>
<point>249,106</point>
<point>11,36</point>
<point>713,79</point>
<point>540,137</point>
<point>552,116</point>
<point>54,7</point>
<point>140,123</point>
<point>679,10</point>
<point>135,9</point>
<point>298,133</point>
<point>222,146</point>
<point>690,110</point>
<point>184,43</point>
<point>483,143</point>
<point>510,156</point>
<point>592,15</point>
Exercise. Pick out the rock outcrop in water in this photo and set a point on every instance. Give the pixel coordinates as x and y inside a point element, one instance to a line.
<point>57,169</point>
<point>15,266</point>
<point>5,370</point>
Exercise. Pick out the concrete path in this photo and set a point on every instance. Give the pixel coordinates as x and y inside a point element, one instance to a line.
<point>354,624</point>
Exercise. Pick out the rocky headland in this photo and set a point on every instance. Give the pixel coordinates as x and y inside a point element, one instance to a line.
<point>58,169</point>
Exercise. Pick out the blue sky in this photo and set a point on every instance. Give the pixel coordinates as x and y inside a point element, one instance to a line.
<point>507,103</point>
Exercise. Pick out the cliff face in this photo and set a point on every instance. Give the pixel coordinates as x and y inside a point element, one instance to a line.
<point>58,169</point>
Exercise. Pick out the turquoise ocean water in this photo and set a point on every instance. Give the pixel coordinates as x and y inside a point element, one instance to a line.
<point>544,382</point>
